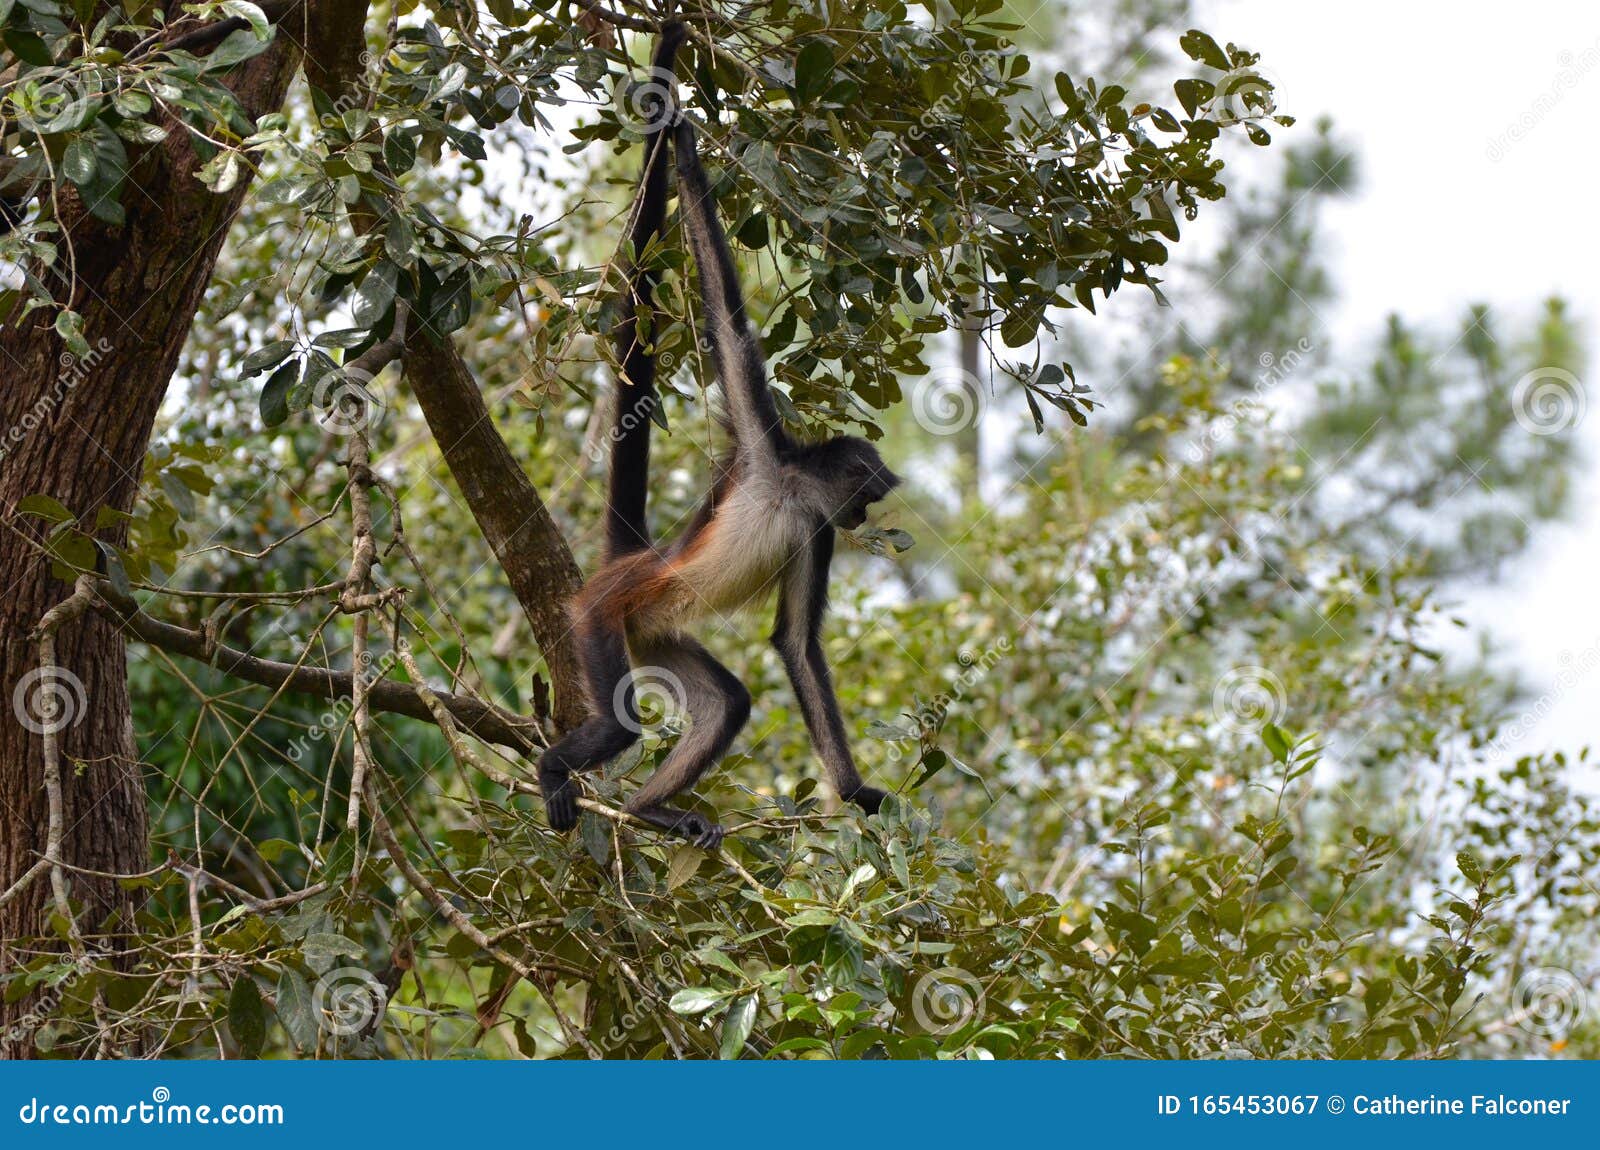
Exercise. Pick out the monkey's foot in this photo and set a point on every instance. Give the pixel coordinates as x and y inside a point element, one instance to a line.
<point>699,830</point>
<point>867,798</point>
<point>560,797</point>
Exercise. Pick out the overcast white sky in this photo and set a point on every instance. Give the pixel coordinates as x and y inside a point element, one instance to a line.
<point>1444,219</point>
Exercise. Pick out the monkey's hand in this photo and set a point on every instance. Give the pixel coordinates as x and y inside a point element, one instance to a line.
<point>867,798</point>
<point>699,830</point>
<point>560,796</point>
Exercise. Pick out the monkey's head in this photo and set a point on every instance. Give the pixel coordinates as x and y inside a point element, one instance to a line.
<point>853,476</point>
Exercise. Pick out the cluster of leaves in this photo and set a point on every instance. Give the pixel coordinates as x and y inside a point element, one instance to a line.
<point>175,477</point>
<point>1234,890</point>
<point>75,112</point>
<point>885,169</point>
<point>834,939</point>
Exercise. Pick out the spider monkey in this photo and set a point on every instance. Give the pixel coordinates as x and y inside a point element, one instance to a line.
<point>768,522</point>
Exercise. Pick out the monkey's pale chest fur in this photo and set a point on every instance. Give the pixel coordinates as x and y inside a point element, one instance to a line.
<point>757,531</point>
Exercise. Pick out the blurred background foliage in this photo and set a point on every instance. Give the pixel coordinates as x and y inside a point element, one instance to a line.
<point>1183,771</point>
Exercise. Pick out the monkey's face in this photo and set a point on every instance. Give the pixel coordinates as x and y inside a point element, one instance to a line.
<point>856,477</point>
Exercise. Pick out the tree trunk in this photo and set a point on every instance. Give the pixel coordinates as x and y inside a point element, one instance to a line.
<point>518,526</point>
<point>79,432</point>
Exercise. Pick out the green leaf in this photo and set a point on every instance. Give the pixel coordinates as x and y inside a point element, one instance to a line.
<point>1192,93</point>
<point>737,1025</point>
<point>812,916</point>
<point>695,1000</point>
<point>682,865</point>
<point>798,1046</point>
<point>375,295</point>
<point>45,507</point>
<point>247,1017</point>
<point>842,956</point>
<point>78,163</point>
<point>1277,741</point>
<point>269,356</point>
<point>275,394</point>
<point>178,493</point>
<point>325,946</point>
<point>250,14</point>
<point>596,835</point>
<point>295,1009</point>
<point>69,326</point>
<point>28,47</point>
<point>115,571</point>
<point>813,70</point>
<point>238,47</point>
<point>1376,995</point>
<point>1199,46</point>
<point>450,306</point>
<point>343,337</point>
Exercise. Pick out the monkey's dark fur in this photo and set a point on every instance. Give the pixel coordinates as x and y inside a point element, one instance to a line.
<point>767,524</point>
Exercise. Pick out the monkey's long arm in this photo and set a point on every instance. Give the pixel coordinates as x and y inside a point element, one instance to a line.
<point>802,603</point>
<point>626,526</point>
<point>734,345</point>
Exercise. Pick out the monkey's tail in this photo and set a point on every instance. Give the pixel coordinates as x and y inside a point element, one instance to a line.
<point>636,396</point>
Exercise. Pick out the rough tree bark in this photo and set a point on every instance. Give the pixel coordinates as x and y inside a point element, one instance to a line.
<point>138,287</point>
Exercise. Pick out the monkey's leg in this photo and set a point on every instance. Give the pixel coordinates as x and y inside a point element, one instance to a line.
<point>612,726</point>
<point>718,707</point>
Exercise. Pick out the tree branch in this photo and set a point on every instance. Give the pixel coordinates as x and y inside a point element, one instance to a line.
<point>509,512</point>
<point>210,35</point>
<point>601,12</point>
<point>484,720</point>
<point>517,525</point>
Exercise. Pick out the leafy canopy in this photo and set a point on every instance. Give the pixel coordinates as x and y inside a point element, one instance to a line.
<point>878,162</point>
